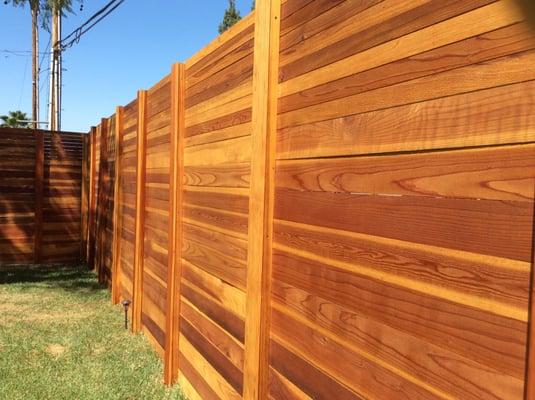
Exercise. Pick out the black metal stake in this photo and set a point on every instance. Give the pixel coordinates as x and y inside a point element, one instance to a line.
<point>125,304</point>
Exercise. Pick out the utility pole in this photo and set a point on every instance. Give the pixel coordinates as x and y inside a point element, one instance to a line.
<point>58,77</point>
<point>34,5</point>
<point>51,95</point>
<point>54,113</point>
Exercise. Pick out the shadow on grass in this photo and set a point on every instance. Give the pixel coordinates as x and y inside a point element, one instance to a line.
<point>67,277</point>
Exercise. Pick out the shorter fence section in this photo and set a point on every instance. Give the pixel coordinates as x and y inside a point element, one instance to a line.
<point>40,196</point>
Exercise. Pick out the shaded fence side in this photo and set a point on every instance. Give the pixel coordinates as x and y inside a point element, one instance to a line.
<point>17,196</point>
<point>386,157</point>
<point>61,233</point>
<point>41,180</point>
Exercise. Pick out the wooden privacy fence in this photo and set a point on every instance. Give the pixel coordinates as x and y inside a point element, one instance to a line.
<point>332,200</point>
<point>40,196</point>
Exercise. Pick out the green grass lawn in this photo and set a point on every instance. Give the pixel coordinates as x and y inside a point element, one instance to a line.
<point>60,338</point>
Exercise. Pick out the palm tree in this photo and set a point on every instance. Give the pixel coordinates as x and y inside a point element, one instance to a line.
<point>35,7</point>
<point>46,8</point>
<point>49,7</point>
<point>14,119</point>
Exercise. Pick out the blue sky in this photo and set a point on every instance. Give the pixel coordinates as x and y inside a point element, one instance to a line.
<point>131,49</point>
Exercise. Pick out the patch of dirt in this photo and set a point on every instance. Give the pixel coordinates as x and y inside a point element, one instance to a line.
<point>99,349</point>
<point>7,308</point>
<point>55,350</point>
<point>43,317</point>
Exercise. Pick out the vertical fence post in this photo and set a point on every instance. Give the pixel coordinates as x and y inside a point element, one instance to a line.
<point>98,193</point>
<point>117,209</point>
<point>529,391</point>
<point>98,197</point>
<point>175,224</point>
<point>39,194</point>
<point>261,198</point>
<point>102,192</point>
<point>85,196</point>
<point>91,243</point>
<point>140,211</point>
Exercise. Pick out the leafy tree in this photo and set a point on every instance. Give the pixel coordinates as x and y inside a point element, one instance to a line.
<point>232,15</point>
<point>13,120</point>
<point>253,6</point>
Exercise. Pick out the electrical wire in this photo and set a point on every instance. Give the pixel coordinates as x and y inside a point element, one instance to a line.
<point>74,36</point>
<point>95,15</point>
<point>20,52</point>
<point>44,105</point>
<point>45,52</point>
<point>23,82</point>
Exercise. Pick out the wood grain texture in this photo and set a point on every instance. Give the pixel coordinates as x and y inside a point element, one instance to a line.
<point>103,182</point>
<point>496,228</point>
<point>140,212</point>
<point>444,84</point>
<point>218,360</point>
<point>314,383</point>
<point>39,194</point>
<point>92,199</point>
<point>220,41</point>
<point>486,117</point>
<point>225,343</point>
<point>227,175</point>
<point>86,160</point>
<point>338,202</point>
<point>232,323</point>
<point>353,369</point>
<point>174,268</point>
<point>281,388</point>
<point>220,264</point>
<point>158,207</point>
<point>198,389</point>
<point>462,327</point>
<point>127,199</point>
<point>261,198</point>
<point>530,356</point>
<point>62,186</point>
<point>480,20</point>
<point>117,201</point>
<point>18,195</point>
<point>210,374</point>
<point>476,49</point>
<point>494,173</point>
<point>215,288</point>
<point>491,284</point>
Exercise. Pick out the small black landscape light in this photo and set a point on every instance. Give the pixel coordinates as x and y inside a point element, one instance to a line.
<point>125,304</point>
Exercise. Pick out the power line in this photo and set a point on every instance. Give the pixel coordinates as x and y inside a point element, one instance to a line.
<point>74,36</point>
<point>23,81</point>
<point>23,53</point>
<point>95,15</point>
<point>45,52</point>
<point>40,71</point>
<point>44,105</point>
